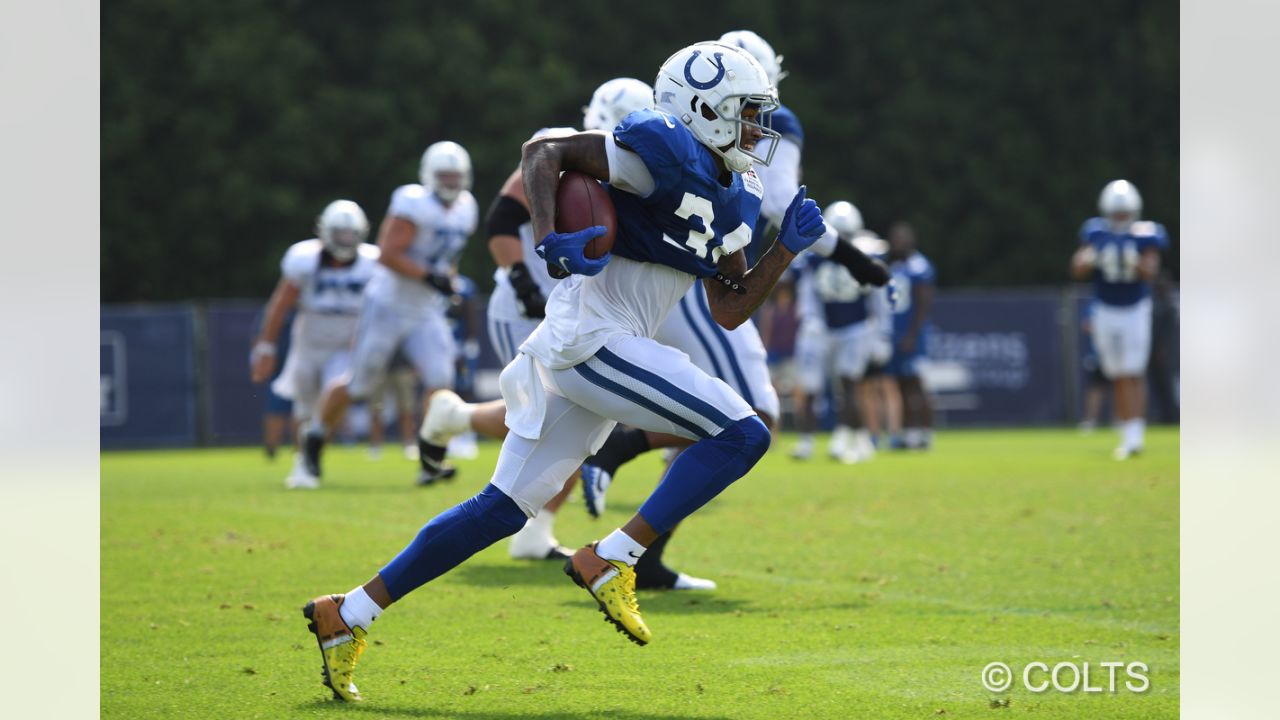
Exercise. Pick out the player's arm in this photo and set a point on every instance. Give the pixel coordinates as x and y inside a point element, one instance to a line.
<point>262,359</point>
<point>921,302</point>
<point>866,270</point>
<point>1149,264</point>
<point>543,159</point>
<point>395,237</point>
<point>1083,261</point>
<point>731,307</point>
<point>509,211</point>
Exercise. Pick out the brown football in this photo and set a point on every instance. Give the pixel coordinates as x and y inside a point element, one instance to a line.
<point>581,202</point>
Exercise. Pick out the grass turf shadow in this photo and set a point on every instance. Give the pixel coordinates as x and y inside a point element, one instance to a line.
<point>422,712</point>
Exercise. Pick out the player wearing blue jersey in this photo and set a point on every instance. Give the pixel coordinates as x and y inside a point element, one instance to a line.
<point>915,279</point>
<point>686,200</point>
<point>1121,255</point>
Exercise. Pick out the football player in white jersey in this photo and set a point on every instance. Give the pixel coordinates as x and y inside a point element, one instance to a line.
<point>839,335</point>
<point>686,199</point>
<point>426,228</point>
<point>324,278</point>
<point>517,305</point>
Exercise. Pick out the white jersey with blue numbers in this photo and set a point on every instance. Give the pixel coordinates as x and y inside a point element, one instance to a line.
<point>441,235</point>
<point>674,232</point>
<point>1115,275</point>
<point>329,297</point>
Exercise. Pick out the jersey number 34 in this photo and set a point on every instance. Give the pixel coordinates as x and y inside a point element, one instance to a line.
<point>696,243</point>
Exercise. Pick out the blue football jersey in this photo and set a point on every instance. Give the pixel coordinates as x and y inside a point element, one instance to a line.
<point>915,270</point>
<point>844,301</point>
<point>1115,274</point>
<point>690,220</point>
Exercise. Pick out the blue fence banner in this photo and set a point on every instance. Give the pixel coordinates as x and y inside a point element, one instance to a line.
<point>997,359</point>
<point>148,377</point>
<point>235,403</point>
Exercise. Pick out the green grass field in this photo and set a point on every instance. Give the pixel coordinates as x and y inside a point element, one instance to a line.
<point>877,591</point>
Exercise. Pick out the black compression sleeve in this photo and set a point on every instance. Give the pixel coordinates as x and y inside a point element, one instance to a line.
<point>864,269</point>
<point>505,216</point>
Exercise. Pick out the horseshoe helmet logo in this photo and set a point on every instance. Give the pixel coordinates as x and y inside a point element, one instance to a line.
<point>688,71</point>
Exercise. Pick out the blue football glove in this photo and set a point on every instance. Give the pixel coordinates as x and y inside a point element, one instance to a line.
<point>802,225</point>
<point>564,251</point>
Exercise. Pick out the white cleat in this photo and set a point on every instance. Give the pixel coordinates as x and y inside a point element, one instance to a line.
<point>689,582</point>
<point>374,453</point>
<point>852,455</point>
<point>1124,452</point>
<point>411,452</point>
<point>299,478</point>
<point>534,541</point>
<point>841,443</point>
<point>444,418</point>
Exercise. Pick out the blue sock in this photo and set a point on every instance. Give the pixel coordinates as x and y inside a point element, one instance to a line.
<point>450,538</point>
<point>703,470</point>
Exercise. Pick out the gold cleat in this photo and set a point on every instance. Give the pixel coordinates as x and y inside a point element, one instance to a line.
<point>340,646</point>
<point>613,585</point>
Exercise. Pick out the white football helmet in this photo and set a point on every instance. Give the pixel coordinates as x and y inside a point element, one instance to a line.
<point>1117,198</point>
<point>843,218</point>
<point>445,157</point>
<point>761,50</point>
<point>341,228</point>
<point>707,86</point>
<point>615,100</point>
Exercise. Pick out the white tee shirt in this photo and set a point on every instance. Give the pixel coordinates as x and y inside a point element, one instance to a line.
<point>329,297</point>
<point>441,235</point>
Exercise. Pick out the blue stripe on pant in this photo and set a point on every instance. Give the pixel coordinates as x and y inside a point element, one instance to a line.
<point>702,340</point>
<point>624,392</point>
<point>662,385</point>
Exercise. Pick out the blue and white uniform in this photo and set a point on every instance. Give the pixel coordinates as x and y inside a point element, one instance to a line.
<point>593,361</point>
<point>405,313</point>
<point>1122,317</point>
<point>781,177</point>
<point>843,324</point>
<point>329,303</point>
<point>907,274</point>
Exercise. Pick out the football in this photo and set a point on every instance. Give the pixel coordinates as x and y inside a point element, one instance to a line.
<point>581,201</point>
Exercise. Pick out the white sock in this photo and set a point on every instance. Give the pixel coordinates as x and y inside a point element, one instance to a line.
<point>542,524</point>
<point>1134,429</point>
<point>359,610</point>
<point>619,546</point>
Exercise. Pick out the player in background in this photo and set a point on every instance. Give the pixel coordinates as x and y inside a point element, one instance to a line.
<point>277,412</point>
<point>686,199</point>
<point>425,229</point>
<point>874,392</point>
<point>1095,383</point>
<point>915,279</point>
<point>838,333</point>
<point>781,177</point>
<point>1121,254</point>
<point>517,306</point>
<point>324,278</point>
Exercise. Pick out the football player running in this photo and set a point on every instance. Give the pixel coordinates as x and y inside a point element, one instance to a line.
<point>686,199</point>
<point>324,278</point>
<point>838,331</point>
<point>426,228</point>
<point>517,305</point>
<point>737,356</point>
<point>1121,254</point>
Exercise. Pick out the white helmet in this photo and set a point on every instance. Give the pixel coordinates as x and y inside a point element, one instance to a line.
<point>707,86</point>
<point>615,100</point>
<point>442,157</point>
<point>1120,196</point>
<point>342,227</point>
<point>760,50</point>
<point>843,218</point>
